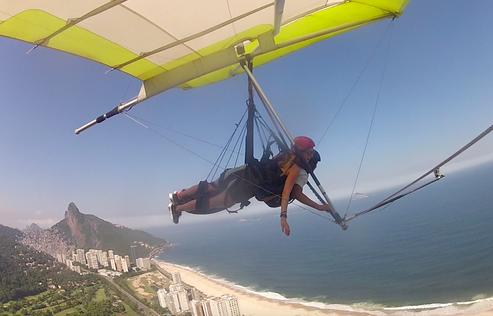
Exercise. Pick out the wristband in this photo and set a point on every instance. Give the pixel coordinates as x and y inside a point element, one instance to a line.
<point>284,215</point>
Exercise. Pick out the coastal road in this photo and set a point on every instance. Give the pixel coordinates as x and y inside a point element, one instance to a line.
<point>145,309</point>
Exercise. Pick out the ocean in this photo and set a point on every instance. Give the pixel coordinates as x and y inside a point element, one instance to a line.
<point>435,246</point>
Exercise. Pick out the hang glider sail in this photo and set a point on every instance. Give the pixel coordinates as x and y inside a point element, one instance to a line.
<point>185,44</point>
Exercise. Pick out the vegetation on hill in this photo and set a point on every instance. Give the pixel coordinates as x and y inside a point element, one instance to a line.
<point>94,296</point>
<point>25,271</point>
<point>33,283</point>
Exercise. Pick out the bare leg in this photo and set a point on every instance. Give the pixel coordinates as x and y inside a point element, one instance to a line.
<point>217,203</point>
<point>190,194</point>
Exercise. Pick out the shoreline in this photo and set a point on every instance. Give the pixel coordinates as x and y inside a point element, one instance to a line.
<point>267,303</point>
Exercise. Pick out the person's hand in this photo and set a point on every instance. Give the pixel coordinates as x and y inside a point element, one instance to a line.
<point>285,226</point>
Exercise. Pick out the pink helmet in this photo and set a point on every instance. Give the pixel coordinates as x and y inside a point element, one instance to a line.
<point>303,143</point>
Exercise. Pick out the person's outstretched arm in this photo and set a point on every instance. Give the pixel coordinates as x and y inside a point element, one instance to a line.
<point>298,194</point>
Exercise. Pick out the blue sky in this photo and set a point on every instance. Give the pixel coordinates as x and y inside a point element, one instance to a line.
<point>436,96</point>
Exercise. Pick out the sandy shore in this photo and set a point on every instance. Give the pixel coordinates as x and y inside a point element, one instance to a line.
<point>253,304</point>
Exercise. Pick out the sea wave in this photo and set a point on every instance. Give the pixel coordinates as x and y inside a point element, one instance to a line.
<point>439,305</point>
<point>279,297</point>
<point>308,302</point>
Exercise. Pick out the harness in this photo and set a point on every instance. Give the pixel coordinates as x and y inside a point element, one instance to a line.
<point>274,172</point>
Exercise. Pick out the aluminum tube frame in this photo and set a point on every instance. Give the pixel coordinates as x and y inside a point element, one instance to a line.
<point>249,146</point>
<point>116,110</point>
<point>278,122</point>
<point>268,105</point>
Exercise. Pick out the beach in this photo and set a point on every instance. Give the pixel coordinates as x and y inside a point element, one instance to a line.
<point>252,303</point>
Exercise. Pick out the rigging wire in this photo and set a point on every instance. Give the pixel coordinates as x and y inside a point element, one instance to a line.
<point>372,121</point>
<point>167,138</point>
<point>436,171</point>
<point>355,83</point>
<point>176,131</point>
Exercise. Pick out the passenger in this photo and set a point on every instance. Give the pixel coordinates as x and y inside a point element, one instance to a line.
<point>274,181</point>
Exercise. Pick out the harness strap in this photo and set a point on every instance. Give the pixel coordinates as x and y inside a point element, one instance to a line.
<point>242,205</point>
<point>202,196</point>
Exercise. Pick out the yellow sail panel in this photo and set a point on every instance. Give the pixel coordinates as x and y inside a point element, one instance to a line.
<point>329,21</point>
<point>184,43</point>
<point>35,25</point>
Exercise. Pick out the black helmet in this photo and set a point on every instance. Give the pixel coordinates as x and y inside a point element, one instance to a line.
<point>314,160</point>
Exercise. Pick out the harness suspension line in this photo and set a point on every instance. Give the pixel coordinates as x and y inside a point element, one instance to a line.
<point>239,141</point>
<point>225,148</point>
<point>436,171</point>
<point>260,135</point>
<point>280,141</point>
<point>242,138</point>
<point>232,152</point>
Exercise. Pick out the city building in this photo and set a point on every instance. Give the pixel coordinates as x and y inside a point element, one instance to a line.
<point>102,258</point>
<point>143,263</point>
<point>113,264</point>
<point>161,296</point>
<point>176,287</point>
<point>176,300</point>
<point>195,294</point>
<point>182,298</point>
<point>110,254</point>
<point>124,265</point>
<point>133,254</point>
<point>176,277</point>
<point>92,259</point>
<point>118,263</point>
<point>229,306</point>
<point>196,308</point>
<point>211,307</point>
<point>81,256</point>
<point>127,259</point>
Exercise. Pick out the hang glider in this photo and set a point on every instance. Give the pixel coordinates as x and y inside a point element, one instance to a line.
<point>186,44</point>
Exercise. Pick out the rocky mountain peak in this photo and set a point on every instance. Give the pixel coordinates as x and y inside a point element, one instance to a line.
<point>33,228</point>
<point>88,231</point>
<point>72,210</point>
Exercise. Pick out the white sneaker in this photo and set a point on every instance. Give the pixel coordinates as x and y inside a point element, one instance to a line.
<point>175,215</point>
